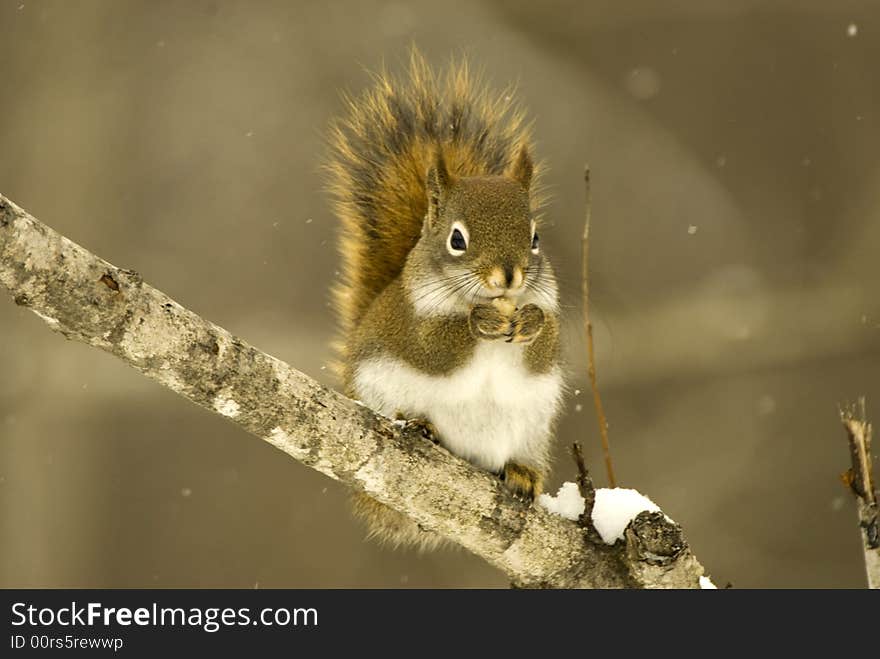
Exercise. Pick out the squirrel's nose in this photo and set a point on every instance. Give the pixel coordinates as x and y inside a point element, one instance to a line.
<point>510,277</point>
<point>514,276</point>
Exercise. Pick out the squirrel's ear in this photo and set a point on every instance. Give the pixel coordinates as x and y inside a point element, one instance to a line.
<point>437,184</point>
<point>522,168</point>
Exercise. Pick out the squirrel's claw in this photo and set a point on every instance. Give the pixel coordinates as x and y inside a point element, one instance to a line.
<point>425,428</point>
<point>526,324</point>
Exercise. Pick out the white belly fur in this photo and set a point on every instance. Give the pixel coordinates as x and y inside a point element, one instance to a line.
<point>489,411</point>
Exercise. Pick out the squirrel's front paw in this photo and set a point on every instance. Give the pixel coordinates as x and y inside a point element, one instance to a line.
<point>524,482</point>
<point>487,321</point>
<point>526,324</point>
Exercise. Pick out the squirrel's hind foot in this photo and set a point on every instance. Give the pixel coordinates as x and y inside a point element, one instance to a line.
<point>425,428</point>
<point>524,482</point>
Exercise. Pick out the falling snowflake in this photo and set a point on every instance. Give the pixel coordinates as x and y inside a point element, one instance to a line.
<point>643,83</point>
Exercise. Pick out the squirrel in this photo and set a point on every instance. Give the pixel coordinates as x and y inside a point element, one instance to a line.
<point>448,306</point>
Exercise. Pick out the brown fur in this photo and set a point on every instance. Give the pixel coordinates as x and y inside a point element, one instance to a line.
<point>523,481</point>
<point>380,153</point>
<point>413,155</point>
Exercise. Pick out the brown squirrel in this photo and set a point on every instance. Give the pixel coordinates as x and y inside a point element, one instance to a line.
<point>448,306</point>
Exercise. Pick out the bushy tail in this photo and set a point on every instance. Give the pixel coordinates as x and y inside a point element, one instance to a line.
<point>379,155</point>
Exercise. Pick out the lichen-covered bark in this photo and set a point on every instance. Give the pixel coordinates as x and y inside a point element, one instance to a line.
<point>860,477</point>
<point>85,298</point>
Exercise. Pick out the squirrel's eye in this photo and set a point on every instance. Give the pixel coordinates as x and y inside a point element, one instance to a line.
<point>457,242</point>
<point>535,243</point>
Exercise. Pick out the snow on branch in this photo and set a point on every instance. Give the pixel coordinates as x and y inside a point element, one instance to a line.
<point>87,299</point>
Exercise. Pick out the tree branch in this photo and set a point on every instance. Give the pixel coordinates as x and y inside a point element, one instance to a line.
<point>87,299</point>
<point>860,478</point>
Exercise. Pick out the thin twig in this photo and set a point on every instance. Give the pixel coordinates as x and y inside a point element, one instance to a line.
<point>860,479</point>
<point>585,485</point>
<point>588,326</point>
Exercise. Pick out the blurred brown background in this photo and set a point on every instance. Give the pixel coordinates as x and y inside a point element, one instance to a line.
<point>734,146</point>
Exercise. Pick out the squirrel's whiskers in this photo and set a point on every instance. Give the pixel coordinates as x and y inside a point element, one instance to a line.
<point>448,305</point>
